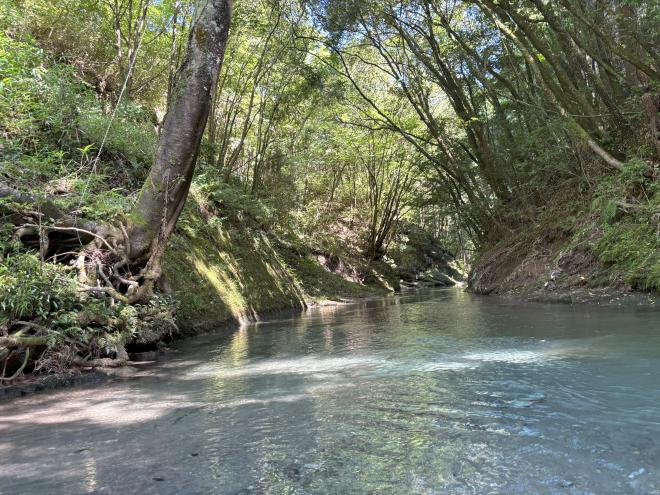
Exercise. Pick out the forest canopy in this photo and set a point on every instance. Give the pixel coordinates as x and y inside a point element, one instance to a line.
<point>498,105</point>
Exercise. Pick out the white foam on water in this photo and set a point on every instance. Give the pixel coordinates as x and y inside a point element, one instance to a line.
<point>509,356</point>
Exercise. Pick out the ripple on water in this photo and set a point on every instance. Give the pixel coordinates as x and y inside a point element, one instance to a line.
<point>436,392</point>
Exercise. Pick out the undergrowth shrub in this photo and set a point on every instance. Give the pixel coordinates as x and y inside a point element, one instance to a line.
<point>30,288</point>
<point>48,116</point>
<point>233,201</point>
<point>73,323</point>
<point>130,136</point>
<point>629,207</point>
<point>38,99</point>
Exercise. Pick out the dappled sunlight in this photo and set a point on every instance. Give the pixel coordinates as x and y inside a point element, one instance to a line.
<point>444,366</point>
<point>239,276</point>
<point>323,368</point>
<point>226,289</point>
<point>111,407</point>
<point>287,399</point>
<point>261,402</point>
<point>230,264</point>
<point>238,349</point>
<point>90,468</point>
<point>510,356</point>
<point>327,338</point>
<point>291,247</point>
<point>542,352</point>
<point>324,388</point>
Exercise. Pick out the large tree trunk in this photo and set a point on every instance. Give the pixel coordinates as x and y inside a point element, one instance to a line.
<point>165,190</point>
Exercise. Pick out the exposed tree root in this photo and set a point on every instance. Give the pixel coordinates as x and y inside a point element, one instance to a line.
<point>100,256</point>
<point>99,252</point>
<point>101,363</point>
<point>118,362</point>
<point>22,341</point>
<point>19,370</point>
<point>122,263</point>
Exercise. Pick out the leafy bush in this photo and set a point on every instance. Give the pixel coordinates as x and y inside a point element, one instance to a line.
<point>635,251</point>
<point>31,289</point>
<point>47,115</point>
<point>232,200</point>
<point>37,98</point>
<point>72,323</point>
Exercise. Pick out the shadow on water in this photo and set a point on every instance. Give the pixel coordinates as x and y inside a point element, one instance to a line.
<point>427,392</point>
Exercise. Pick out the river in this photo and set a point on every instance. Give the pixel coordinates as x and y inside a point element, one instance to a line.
<point>435,391</point>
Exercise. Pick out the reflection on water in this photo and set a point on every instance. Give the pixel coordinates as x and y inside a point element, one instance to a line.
<point>431,392</point>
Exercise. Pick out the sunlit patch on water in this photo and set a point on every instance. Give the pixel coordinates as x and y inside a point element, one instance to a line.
<point>444,366</point>
<point>115,409</point>
<point>511,356</point>
<point>539,351</point>
<point>260,402</point>
<point>302,366</point>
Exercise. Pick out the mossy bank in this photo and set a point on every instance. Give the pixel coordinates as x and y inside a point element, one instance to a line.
<point>223,271</point>
<point>231,268</point>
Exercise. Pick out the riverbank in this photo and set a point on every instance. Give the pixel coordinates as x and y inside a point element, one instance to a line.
<point>221,272</point>
<point>233,270</point>
<point>585,250</point>
<point>30,384</point>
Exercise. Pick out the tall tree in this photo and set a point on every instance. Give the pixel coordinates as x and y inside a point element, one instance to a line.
<point>165,190</point>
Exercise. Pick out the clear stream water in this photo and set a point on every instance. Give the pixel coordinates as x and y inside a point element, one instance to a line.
<point>427,392</point>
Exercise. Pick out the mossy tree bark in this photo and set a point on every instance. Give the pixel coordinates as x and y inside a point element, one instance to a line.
<point>166,188</point>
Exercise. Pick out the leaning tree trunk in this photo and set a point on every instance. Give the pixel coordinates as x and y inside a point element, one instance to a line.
<point>165,190</point>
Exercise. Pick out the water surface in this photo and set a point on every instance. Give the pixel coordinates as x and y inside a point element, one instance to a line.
<point>430,392</point>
